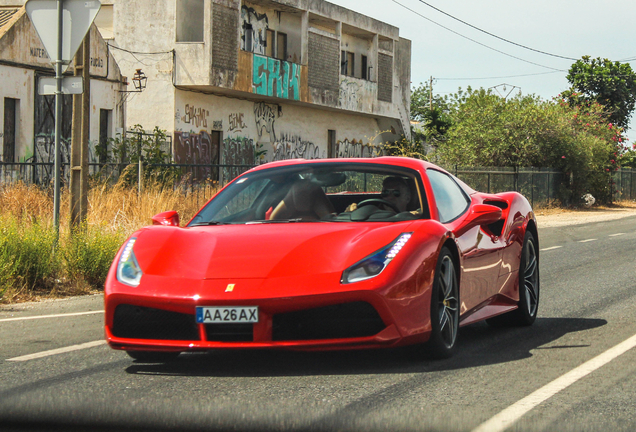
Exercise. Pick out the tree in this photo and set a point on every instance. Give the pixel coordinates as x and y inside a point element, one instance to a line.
<point>433,113</point>
<point>611,84</point>
<point>525,131</point>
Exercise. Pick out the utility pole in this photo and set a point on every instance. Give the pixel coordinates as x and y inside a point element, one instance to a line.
<point>430,94</point>
<point>80,138</point>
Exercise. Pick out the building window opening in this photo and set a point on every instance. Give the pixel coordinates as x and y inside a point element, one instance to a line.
<point>365,69</point>
<point>332,151</point>
<point>270,43</point>
<point>347,63</point>
<point>11,109</point>
<point>189,16</point>
<point>343,63</point>
<point>281,46</point>
<point>249,37</point>
<point>105,124</point>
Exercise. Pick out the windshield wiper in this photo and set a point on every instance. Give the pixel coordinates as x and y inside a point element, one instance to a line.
<point>274,221</point>
<point>209,223</point>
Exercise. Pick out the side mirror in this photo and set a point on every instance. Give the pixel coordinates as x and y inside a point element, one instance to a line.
<point>484,214</point>
<point>169,218</point>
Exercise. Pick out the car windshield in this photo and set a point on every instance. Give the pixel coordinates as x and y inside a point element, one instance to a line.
<point>325,192</point>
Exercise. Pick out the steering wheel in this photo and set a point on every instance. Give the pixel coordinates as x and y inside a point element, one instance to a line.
<point>374,201</point>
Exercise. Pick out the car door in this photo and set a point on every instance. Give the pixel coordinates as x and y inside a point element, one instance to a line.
<point>481,253</point>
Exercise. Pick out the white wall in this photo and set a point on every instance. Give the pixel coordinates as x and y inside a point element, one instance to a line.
<point>293,131</point>
<point>18,84</point>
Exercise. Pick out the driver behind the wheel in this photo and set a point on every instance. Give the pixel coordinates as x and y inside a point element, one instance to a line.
<point>394,190</point>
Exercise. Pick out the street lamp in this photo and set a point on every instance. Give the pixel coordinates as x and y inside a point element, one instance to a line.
<point>139,82</point>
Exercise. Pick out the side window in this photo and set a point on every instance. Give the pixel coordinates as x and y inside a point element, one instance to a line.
<point>450,199</point>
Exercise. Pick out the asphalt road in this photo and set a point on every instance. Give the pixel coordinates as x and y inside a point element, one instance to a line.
<point>543,378</point>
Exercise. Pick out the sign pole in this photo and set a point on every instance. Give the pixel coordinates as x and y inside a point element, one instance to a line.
<point>58,118</point>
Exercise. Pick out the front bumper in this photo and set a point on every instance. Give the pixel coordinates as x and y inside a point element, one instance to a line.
<point>345,320</point>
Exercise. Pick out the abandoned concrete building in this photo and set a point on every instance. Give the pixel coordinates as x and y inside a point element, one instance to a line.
<point>244,82</point>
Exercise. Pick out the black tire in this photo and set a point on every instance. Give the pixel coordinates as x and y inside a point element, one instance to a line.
<point>444,308</point>
<point>153,356</point>
<point>529,288</point>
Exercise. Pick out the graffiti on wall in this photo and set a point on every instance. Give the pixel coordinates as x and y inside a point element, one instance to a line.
<point>276,78</point>
<point>196,116</point>
<point>45,148</point>
<point>236,122</point>
<point>237,151</point>
<point>265,116</point>
<point>45,153</point>
<point>292,147</point>
<point>196,148</point>
<point>348,98</point>
<point>258,25</point>
<point>355,149</point>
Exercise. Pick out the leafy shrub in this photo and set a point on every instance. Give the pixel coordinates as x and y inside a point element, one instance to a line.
<point>27,257</point>
<point>89,252</point>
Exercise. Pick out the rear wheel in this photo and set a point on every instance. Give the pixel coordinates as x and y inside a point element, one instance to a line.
<point>529,287</point>
<point>153,356</point>
<point>444,307</point>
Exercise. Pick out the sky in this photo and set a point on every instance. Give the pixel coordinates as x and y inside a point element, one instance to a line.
<point>568,28</point>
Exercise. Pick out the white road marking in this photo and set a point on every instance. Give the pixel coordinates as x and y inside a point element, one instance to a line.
<point>616,235</point>
<point>50,316</point>
<point>510,415</point>
<point>58,351</point>
<point>551,248</point>
<point>588,240</point>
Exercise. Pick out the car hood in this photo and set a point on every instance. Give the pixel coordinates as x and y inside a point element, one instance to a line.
<point>256,251</point>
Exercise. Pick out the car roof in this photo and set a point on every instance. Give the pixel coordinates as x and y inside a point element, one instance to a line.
<point>384,160</point>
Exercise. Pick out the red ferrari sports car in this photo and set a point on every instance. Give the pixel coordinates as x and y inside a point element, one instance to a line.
<point>326,254</point>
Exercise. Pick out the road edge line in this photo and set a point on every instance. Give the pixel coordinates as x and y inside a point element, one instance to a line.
<point>514,412</point>
<point>57,351</point>
<point>50,316</point>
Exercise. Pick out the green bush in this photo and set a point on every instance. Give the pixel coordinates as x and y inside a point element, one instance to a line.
<point>89,253</point>
<point>27,257</point>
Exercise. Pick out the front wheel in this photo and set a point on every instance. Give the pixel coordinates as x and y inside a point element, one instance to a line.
<point>529,287</point>
<point>444,307</point>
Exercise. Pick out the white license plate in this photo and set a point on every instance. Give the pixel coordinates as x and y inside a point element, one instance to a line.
<point>225,315</point>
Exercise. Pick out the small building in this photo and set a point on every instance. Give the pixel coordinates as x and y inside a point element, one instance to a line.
<point>27,123</point>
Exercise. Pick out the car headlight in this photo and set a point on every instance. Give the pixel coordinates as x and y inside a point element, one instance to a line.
<point>128,270</point>
<point>375,263</point>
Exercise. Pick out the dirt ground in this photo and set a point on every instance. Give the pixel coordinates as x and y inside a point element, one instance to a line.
<point>561,217</point>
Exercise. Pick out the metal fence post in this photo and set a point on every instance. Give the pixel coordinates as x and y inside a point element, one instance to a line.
<point>532,189</point>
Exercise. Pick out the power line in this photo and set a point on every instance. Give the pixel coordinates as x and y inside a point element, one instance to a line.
<point>494,35</point>
<point>500,77</point>
<point>473,40</point>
